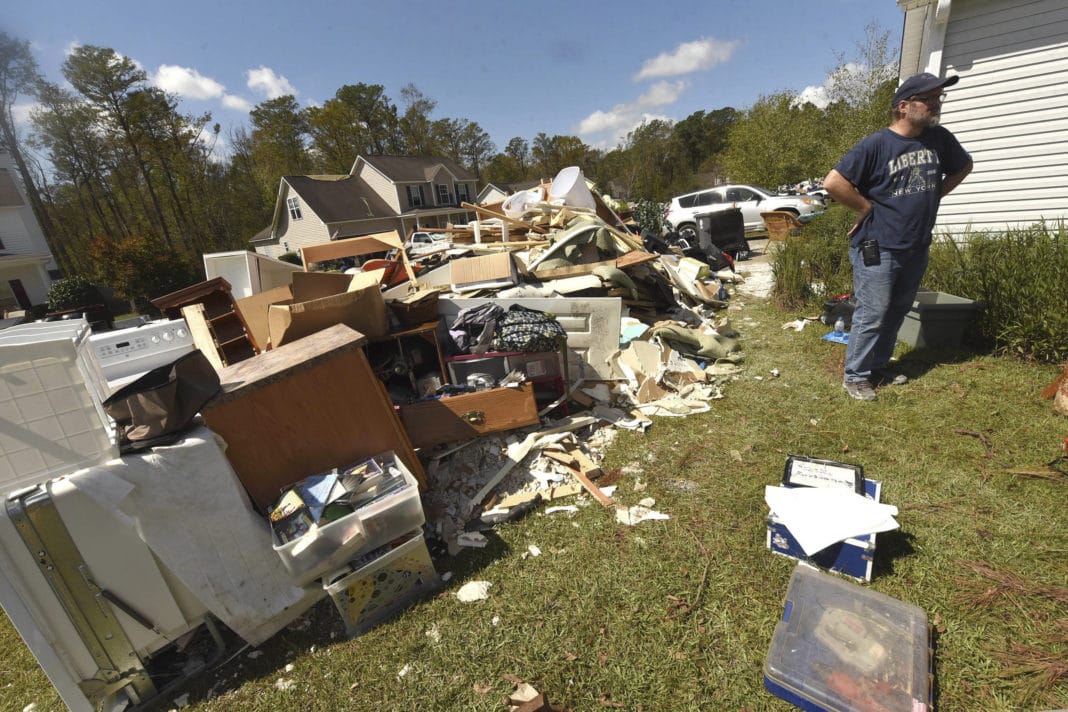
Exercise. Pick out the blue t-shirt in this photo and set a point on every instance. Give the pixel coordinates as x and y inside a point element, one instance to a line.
<point>902,177</point>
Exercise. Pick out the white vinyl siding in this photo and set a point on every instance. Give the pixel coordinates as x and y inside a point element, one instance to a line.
<point>388,191</point>
<point>1009,110</point>
<point>13,232</point>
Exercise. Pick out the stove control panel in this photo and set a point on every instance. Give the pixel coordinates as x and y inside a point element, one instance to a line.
<point>142,348</point>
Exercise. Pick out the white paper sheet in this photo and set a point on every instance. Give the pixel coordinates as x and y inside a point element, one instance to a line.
<point>818,517</point>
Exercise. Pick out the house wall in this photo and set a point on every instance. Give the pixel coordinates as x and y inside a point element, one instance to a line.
<point>1009,110</point>
<point>309,230</point>
<point>383,187</point>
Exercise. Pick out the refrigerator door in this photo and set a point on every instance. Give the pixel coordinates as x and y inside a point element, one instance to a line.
<point>85,594</point>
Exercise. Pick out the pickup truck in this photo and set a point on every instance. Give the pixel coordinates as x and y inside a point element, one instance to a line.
<point>421,243</point>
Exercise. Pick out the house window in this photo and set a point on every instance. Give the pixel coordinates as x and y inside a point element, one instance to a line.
<point>462,195</point>
<point>443,194</point>
<point>415,195</point>
<point>294,208</point>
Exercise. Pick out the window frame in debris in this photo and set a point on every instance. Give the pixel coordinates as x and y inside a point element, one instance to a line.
<point>293,204</point>
<point>443,194</point>
<point>415,196</point>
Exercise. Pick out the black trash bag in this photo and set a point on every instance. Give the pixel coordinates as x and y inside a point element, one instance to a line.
<point>840,307</point>
<point>472,331</point>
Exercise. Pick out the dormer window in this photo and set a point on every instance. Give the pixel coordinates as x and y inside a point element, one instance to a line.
<point>415,195</point>
<point>443,194</point>
<point>294,208</point>
<point>461,193</point>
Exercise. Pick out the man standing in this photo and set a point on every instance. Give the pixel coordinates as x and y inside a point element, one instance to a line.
<point>894,179</point>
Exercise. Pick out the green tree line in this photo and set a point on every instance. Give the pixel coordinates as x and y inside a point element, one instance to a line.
<point>130,191</point>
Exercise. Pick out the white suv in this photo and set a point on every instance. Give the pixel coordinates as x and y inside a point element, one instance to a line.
<point>752,200</point>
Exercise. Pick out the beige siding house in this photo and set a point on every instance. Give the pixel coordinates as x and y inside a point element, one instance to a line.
<point>1010,108</point>
<point>26,263</point>
<point>380,193</point>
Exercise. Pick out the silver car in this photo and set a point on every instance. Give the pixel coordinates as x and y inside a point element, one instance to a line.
<point>752,200</point>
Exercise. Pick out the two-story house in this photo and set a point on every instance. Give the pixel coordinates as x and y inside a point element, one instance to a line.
<point>27,265</point>
<point>379,194</point>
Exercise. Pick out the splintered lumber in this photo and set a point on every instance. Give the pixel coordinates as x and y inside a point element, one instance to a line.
<point>634,257</point>
<point>587,483</point>
<point>519,453</point>
<point>501,216</point>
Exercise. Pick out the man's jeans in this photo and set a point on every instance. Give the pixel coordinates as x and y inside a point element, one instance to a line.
<point>884,295</point>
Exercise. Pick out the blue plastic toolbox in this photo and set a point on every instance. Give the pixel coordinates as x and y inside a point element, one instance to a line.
<point>852,557</point>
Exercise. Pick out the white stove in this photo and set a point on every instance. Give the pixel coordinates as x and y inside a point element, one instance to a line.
<point>125,354</point>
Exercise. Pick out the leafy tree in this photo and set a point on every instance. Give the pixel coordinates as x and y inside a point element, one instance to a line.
<point>142,268</point>
<point>519,151</point>
<point>553,153</point>
<point>118,90</point>
<point>358,120</point>
<point>702,135</point>
<point>476,146</point>
<point>279,133</point>
<point>415,124</point>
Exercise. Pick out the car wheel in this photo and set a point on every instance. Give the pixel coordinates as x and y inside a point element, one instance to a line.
<point>792,211</point>
<point>688,232</point>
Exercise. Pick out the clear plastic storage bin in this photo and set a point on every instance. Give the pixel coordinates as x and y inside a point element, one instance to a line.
<point>384,585</point>
<point>840,646</point>
<point>328,547</point>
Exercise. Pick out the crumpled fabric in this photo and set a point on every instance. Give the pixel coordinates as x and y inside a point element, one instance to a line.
<point>616,277</point>
<point>697,345</point>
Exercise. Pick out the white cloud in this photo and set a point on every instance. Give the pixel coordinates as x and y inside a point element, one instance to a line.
<point>186,82</point>
<point>816,96</point>
<point>621,119</point>
<point>232,101</point>
<point>71,46</point>
<point>662,93</point>
<point>20,113</point>
<point>271,85</point>
<point>688,57</point>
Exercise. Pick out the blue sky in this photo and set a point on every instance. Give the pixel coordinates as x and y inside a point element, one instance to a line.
<point>591,69</point>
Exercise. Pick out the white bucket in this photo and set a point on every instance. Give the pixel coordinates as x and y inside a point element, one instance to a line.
<point>569,186</point>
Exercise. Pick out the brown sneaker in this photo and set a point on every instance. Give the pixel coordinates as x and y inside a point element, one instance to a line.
<point>860,390</point>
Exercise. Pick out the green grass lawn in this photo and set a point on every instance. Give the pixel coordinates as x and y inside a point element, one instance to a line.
<point>678,614</point>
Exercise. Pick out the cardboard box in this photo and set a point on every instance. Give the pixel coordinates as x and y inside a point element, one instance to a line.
<point>313,302</point>
<point>485,272</point>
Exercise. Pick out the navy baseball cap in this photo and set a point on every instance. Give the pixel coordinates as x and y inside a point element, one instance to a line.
<point>921,84</point>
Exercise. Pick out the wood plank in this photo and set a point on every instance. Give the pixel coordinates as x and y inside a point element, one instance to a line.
<point>201,333</point>
<point>634,257</point>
